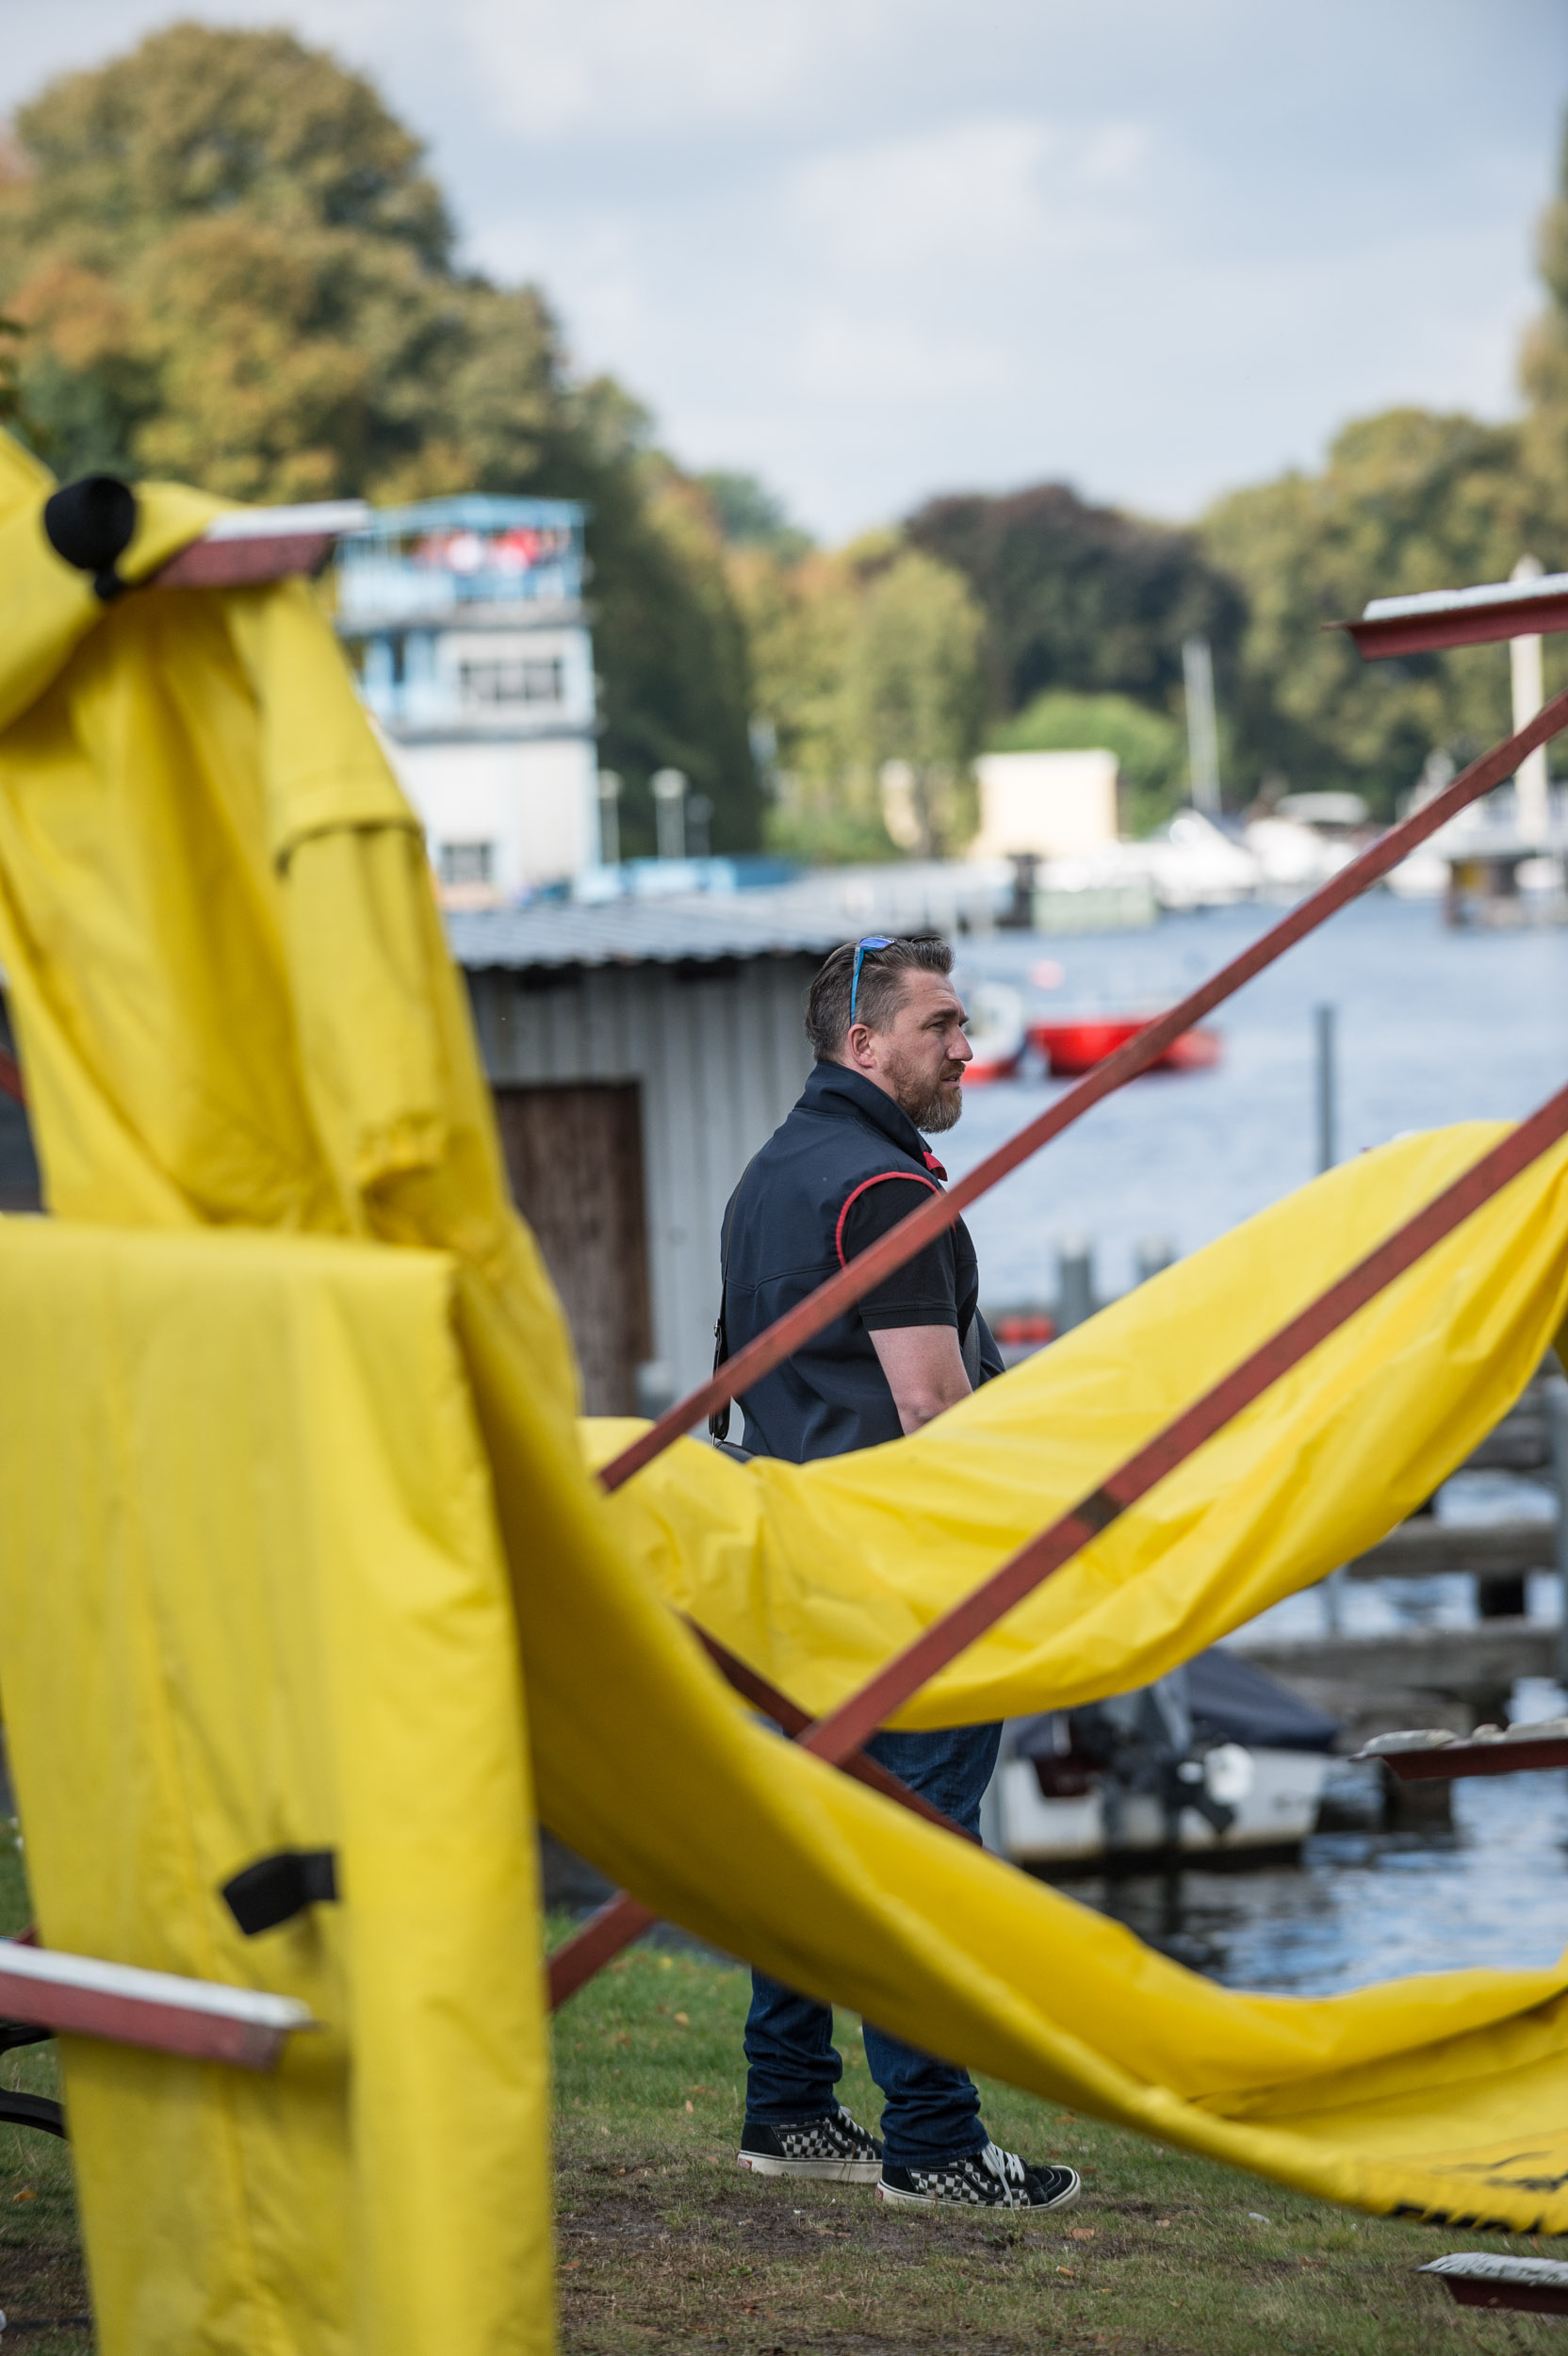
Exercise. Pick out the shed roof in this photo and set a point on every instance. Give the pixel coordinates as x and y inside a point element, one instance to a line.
<point>635,932</point>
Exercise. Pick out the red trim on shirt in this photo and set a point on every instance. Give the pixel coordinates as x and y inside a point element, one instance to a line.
<point>914,1179</point>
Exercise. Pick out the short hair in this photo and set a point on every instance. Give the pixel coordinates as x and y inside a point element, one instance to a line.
<point>881,992</point>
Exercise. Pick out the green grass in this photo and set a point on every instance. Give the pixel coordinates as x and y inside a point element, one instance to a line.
<point>666,2245</point>
<point>42,2275</point>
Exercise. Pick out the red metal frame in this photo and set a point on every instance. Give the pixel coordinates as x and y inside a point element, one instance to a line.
<point>913,1233</point>
<point>1528,2285</point>
<point>232,562</point>
<point>842,1730</point>
<point>1445,1760</point>
<point>1378,636</point>
<point>158,2016</point>
<point>243,563</point>
<point>1530,2299</point>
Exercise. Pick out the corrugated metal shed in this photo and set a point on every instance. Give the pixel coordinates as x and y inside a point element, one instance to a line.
<point>634,932</point>
<point>697,1010</point>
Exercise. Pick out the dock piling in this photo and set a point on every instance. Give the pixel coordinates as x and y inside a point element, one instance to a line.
<point>1555,1393</point>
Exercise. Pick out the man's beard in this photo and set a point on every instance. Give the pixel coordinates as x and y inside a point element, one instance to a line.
<point>931,1106</point>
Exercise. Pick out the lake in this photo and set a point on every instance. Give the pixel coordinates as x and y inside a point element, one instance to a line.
<point>1433,1026</point>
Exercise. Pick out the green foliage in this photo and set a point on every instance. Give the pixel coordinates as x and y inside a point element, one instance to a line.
<point>1408,500</point>
<point>1080,597</point>
<point>915,695</point>
<point>233,269</point>
<point>1150,746</point>
<point>800,620</point>
<point>749,515</point>
<point>866,675</point>
<point>679,698</point>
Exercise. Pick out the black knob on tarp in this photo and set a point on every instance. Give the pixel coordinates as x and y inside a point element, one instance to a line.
<point>277,1887</point>
<point>89,523</point>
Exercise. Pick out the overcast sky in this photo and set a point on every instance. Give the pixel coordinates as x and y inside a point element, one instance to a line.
<point>874,249</point>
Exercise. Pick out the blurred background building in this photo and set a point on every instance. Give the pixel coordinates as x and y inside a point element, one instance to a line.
<point>464,621</point>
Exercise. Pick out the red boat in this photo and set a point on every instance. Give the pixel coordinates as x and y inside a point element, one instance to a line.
<point>1074,1044</point>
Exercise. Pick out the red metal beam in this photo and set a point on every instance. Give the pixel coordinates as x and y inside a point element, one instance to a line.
<point>244,564</point>
<point>202,2020</point>
<point>842,1730</point>
<point>1482,2277</point>
<point>939,1211</point>
<point>1442,1760</point>
<point>918,1663</point>
<point>794,1720</point>
<point>1379,635</point>
<point>621,1919</point>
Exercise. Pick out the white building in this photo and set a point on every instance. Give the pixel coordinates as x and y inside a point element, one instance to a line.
<point>464,618</point>
<point>1045,806</point>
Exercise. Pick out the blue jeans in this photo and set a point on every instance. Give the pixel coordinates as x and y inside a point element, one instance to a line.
<point>931,2110</point>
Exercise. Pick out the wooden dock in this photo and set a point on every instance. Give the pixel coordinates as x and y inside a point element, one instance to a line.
<point>1422,1547</point>
<point>1457,1677</point>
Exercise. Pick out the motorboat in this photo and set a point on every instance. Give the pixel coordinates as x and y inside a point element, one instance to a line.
<point>1072,1044</point>
<point>1218,1760</point>
<point>1193,863</point>
<point>997,1033</point>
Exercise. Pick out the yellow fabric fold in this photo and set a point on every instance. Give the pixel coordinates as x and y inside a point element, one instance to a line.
<point>286,1383</point>
<point>252,1598</point>
<point>816,1574</point>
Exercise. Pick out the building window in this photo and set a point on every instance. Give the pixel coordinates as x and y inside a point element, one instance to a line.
<point>514,680</point>
<point>466,862</point>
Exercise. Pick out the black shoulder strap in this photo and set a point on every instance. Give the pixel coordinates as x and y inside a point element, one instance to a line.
<point>718,1421</point>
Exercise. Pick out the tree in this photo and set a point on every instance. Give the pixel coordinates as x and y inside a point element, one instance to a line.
<point>233,267</point>
<point>683,693</point>
<point>1079,596</point>
<point>749,515</point>
<point>914,693</point>
<point>801,618</point>
<point>1408,500</point>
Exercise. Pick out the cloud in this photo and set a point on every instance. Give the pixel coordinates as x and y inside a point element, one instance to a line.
<point>877,248</point>
<point>981,192</point>
<point>626,67</point>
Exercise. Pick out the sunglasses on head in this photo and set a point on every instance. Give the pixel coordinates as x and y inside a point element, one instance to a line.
<point>871,943</point>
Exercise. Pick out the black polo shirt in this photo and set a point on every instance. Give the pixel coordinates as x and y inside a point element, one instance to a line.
<point>844,1166</point>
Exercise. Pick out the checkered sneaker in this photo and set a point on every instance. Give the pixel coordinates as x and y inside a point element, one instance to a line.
<point>832,2150</point>
<point>990,2179</point>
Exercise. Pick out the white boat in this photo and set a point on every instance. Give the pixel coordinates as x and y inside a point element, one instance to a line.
<point>1218,1758</point>
<point>997,1032</point>
<point>1277,1810</point>
<point>1193,863</point>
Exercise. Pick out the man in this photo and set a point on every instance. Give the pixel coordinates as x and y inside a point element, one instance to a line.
<point>888,1030</point>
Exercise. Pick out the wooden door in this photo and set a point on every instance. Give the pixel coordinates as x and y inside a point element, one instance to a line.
<point>573,1154</point>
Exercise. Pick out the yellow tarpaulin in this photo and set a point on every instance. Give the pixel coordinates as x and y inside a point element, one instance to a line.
<point>264,1472</point>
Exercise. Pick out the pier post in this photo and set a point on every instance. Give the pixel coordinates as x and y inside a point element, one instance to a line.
<point>1074,1283</point>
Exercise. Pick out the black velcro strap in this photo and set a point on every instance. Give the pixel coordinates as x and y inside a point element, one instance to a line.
<point>91,523</point>
<point>275,1888</point>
